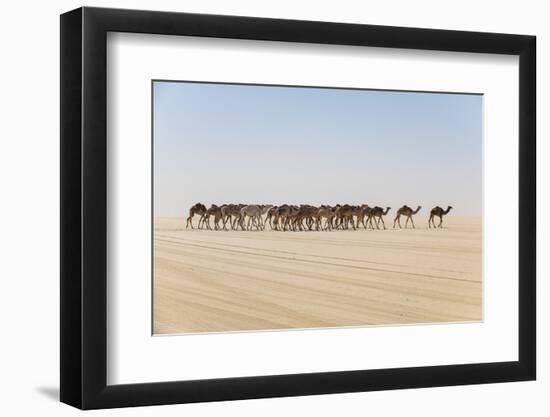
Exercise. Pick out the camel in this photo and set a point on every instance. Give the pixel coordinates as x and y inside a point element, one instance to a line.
<point>363,212</point>
<point>199,209</point>
<point>344,215</point>
<point>290,218</point>
<point>327,213</point>
<point>377,213</point>
<point>279,216</point>
<point>216,212</point>
<point>439,212</point>
<point>307,213</point>
<point>231,213</point>
<point>271,215</point>
<point>287,217</point>
<point>254,213</point>
<point>408,213</point>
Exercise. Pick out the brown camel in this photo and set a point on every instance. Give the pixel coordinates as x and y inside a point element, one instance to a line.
<point>270,216</point>
<point>408,213</point>
<point>439,212</point>
<point>377,213</point>
<point>216,212</point>
<point>231,213</point>
<point>326,212</point>
<point>344,216</point>
<point>199,209</point>
<point>363,212</point>
<point>307,213</point>
<point>290,218</point>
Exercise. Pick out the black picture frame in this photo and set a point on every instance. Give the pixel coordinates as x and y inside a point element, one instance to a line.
<point>84,207</point>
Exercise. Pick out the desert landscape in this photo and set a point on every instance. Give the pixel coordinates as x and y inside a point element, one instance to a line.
<point>235,280</point>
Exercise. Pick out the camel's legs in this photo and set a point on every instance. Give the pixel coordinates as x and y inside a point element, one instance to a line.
<point>407,222</point>
<point>429,221</point>
<point>383,224</point>
<point>260,223</point>
<point>398,220</point>
<point>241,222</point>
<point>189,222</point>
<point>440,221</point>
<point>229,219</point>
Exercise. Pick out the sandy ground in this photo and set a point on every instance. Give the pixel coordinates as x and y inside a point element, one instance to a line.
<point>210,281</point>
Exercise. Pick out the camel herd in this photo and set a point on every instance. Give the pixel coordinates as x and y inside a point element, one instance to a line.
<point>303,217</point>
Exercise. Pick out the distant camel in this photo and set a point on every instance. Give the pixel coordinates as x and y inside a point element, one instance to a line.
<point>363,212</point>
<point>216,212</point>
<point>307,213</point>
<point>231,213</point>
<point>254,213</point>
<point>326,212</point>
<point>279,216</point>
<point>408,213</point>
<point>439,212</point>
<point>199,209</point>
<point>291,218</point>
<point>271,215</point>
<point>377,213</point>
<point>344,216</point>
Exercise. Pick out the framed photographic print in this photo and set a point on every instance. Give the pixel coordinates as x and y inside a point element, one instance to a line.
<point>257,208</point>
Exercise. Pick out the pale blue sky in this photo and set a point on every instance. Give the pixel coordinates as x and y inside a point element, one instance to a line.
<point>222,143</point>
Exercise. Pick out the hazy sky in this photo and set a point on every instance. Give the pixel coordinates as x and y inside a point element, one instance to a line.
<point>224,143</point>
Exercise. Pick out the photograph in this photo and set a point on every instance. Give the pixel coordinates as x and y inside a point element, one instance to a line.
<point>301,207</point>
<point>270,204</point>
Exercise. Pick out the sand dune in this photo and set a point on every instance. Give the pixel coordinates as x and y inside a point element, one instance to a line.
<point>210,281</point>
